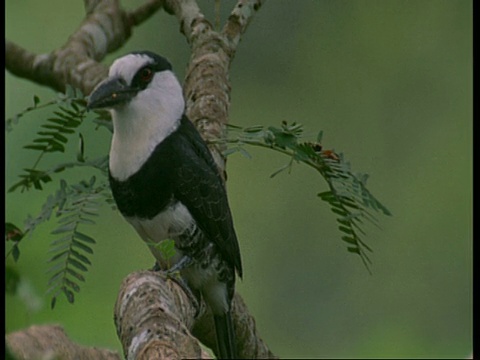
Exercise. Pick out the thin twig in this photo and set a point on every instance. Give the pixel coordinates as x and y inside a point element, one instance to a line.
<point>144,12</point>
<point>239,19</point>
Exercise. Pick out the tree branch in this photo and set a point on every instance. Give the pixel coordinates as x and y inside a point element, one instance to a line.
<point>154,315</point>
<point>105,28</point>
<point>188,14</point>
<point>207,87</point>
<point>239,19</point>
<point>155,319</point>
<point>145,11</point>
<point>51,342</point>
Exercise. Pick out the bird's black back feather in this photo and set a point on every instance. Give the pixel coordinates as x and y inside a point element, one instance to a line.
<point>181,168</point>
<point>201,189</point>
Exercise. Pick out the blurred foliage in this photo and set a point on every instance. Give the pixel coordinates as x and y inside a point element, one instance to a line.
<point>390,82</point>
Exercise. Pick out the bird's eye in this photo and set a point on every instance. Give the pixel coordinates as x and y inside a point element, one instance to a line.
<point>146,74</point>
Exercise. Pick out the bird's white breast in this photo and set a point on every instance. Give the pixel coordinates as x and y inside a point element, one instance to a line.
<point>168,224</point>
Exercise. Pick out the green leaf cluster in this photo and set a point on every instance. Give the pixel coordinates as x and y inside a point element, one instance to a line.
<point>71,250</point>
<point>52,138</point>
<point>348,196</point>
<point>72,205</point>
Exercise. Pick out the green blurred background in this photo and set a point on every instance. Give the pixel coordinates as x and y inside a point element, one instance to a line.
<point>390,84</point>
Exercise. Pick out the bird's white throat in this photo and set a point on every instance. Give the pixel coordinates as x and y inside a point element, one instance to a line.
<point>140,125</point>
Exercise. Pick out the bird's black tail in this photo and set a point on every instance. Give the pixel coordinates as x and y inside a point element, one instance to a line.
<point>227,347</point>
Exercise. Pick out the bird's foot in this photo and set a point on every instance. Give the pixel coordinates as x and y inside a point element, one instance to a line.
<point>181,264</point>
<point>174,270</point>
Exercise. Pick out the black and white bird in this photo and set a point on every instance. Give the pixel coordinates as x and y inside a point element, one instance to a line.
<point>166,183</point>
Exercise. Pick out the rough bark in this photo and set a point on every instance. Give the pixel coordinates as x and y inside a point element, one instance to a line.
<point>155,318</point>
<point>51,342</point>
<point>154,315</point>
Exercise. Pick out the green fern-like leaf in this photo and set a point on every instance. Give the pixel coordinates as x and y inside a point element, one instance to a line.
<point>348,197</point>
<point>74,205</point>
<point>52,138</point>
<point>103,119</point>
<point>53,202</point>
<point>36,105</point>
<point>36,178</point>
<point>71,250</point>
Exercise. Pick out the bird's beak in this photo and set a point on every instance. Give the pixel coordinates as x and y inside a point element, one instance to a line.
<point>109,93</point>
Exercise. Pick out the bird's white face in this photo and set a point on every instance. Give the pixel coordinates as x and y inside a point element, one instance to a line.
<point>146,103</point>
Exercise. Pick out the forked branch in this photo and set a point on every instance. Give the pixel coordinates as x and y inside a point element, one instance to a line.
<point>105,28</point>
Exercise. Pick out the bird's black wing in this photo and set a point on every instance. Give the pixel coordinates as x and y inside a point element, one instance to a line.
<point>200,188</point>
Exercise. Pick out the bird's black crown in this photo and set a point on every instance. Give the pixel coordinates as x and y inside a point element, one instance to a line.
<point>160,63</point>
